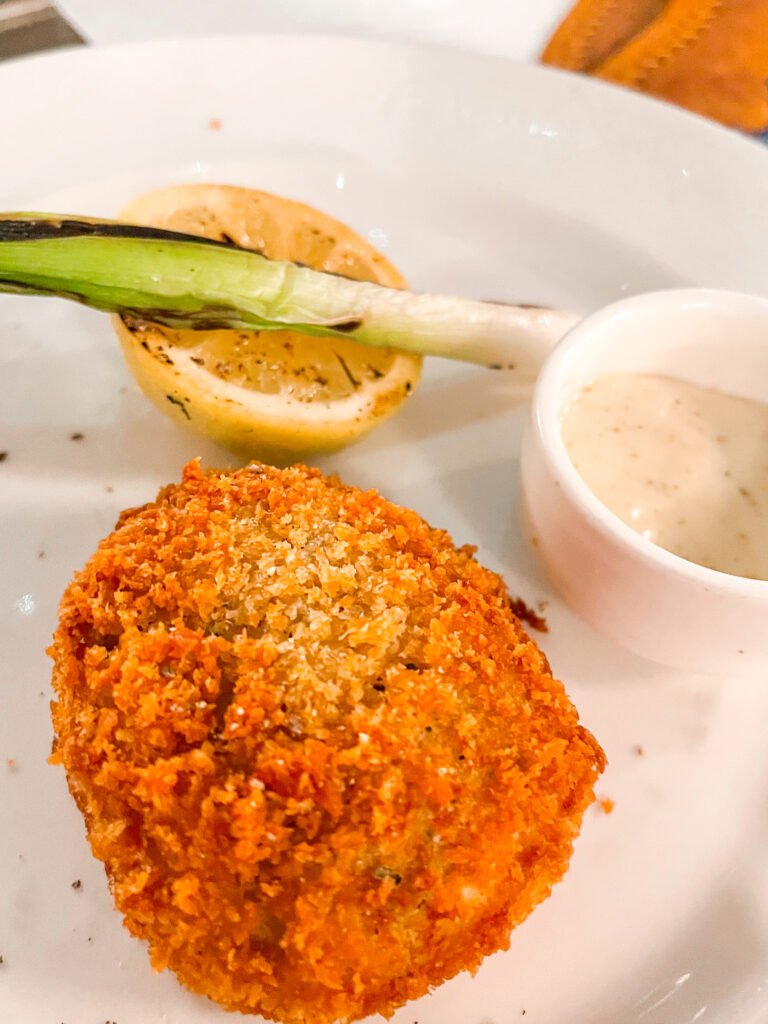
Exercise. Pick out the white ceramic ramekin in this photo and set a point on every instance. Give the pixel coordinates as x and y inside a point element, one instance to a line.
<point>651,601</point>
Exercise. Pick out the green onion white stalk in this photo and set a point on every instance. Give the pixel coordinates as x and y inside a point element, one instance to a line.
<point>148,274</point>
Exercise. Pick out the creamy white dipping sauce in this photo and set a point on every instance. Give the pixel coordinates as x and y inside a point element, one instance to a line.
<point>685,466</point>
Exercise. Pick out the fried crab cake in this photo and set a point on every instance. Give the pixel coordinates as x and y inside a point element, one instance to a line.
<point>323,764</point>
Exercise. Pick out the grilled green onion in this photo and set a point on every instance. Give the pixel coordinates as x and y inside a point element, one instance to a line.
<point>182,281</point>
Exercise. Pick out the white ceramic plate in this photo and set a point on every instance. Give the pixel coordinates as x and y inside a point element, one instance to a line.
<point>476,176</point>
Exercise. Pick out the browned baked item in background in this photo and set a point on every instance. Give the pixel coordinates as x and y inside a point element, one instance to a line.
<point>710,56</point>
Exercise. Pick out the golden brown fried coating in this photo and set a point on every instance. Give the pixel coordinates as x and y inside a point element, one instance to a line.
<point>323,765</point>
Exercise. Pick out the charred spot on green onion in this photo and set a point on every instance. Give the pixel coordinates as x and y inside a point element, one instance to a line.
<point>154,275</point>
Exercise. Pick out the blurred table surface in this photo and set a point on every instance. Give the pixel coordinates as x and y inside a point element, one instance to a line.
<point>514,28</point>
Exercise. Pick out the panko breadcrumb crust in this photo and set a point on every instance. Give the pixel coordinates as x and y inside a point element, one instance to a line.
<point>323,764</point>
